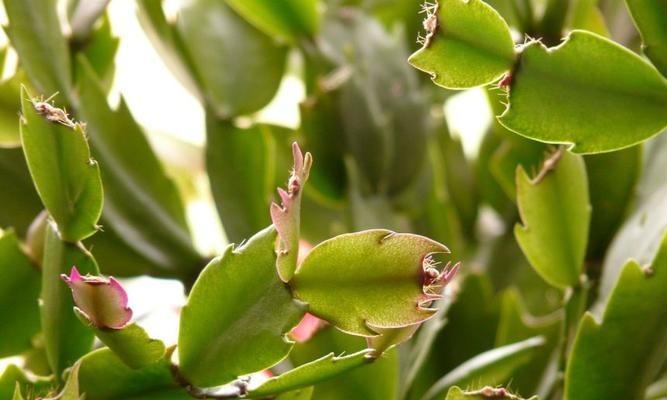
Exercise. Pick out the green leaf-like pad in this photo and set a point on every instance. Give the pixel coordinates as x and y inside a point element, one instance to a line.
<point>311,373</point>
<point>368,279</point>
<point>619,356</point>
<point>237,315</point>
<point>467,44</point>
<point>588,91</point>
<point>239,68</point>
<point>66,177</point>
<point>131,344</point>
<point>555,213</point>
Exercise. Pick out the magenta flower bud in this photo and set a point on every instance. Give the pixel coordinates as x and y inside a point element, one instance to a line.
<point>102,300</point>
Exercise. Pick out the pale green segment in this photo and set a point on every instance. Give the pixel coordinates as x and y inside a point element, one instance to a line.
<point>588,91</point>
<point>237,315</point>
<point>131,344</point>
<point>492,367</point>
<point>66,178</point>
<point>287,19</point>
<point>19,290</point>
<point>239,67</point>
<point>103,376</point>
<point>650,17</point>
<point>456,393</point>
<point>618,357</point>
<point>472,46</point>
<point>366,279</point>
<point>316,371</point>
<point>65,339</point>
<point>555,214</point>
<point>34,32</point>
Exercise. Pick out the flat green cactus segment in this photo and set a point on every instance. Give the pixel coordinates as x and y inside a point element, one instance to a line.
<point>67,179</point>
<point>589,92</point>
<point>650,17</point>
<point>467,44</point>
<point>619,355</point>
<point>237,315</point>
<point>367,279</point>
<point>555,213</point>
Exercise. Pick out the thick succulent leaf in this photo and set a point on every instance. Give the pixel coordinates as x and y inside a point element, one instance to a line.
<point>353,384</point>
<point>456,393</point>
<point>639,239</point>
<point>554,92</point>
<point>65,338</point>
<point>374,278</point>
<point>131,344</point>
<point>467,44</point>
<point>237,315</point>
<point>65,176</point>
<point>241,170</point>
<point>555,213</point>
<point>29,383</point>
<point>286,217</point>
<point>602,365</point>
<point>316,371</point>
<point>19,291</point>
<point>287,20</point>
<point>612,184</point>
<point>650,17</point>
<point>239,67</point>
<point>492,367</point>
<point>142,202</point>
<point>103,376</point>
<point>35,34</point>
<point>516,324</point>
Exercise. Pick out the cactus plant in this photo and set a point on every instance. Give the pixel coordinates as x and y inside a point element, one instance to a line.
<point>388,263</point>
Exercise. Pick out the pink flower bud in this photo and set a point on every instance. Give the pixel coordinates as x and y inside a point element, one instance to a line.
<point>102,300</point>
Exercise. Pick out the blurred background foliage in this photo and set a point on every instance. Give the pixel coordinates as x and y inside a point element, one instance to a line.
<point>208,136</point>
